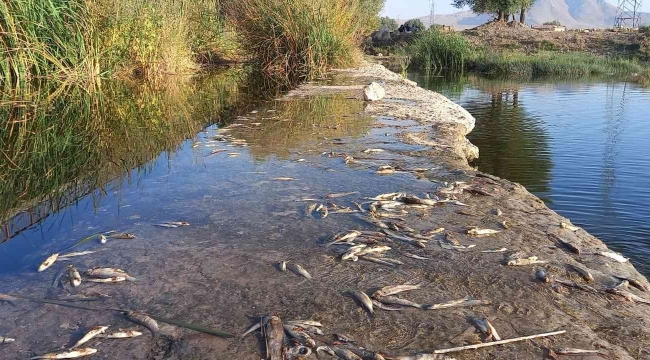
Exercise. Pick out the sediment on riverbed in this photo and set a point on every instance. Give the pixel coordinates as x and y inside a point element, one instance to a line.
<point>222,269</point>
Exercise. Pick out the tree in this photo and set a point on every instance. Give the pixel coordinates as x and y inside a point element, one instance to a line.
<point>388,23</point>
<point>500,8</point>
<point>415,25</point>
<point>554,23</point>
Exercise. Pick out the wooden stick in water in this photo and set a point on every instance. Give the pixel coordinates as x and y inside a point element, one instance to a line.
<point>506,341</point>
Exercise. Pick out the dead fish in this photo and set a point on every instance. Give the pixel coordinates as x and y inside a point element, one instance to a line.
<point>634,282</point>
<point>324,350</point>
<point>344,237</point>
<point>109,280</point>
<point>73,274</point>
<point>275,339</point>
<point>109,273</point>
<point>6,340</point>
<point>475,231</point>
<point>394,289</point>
<point>309,209</point>
<point>233,154</point>
<point>344,338</point>
<point>48,262</point>
<point>339,195</point>
<point>67,355</point>
<point>123,235</point>
<point>216,151</point>
<point>322,210</point>
<point>306,322</point>
<point>367,151</point>
<point>612,255</point>
<point>386,307</point>
<point>361,209</point>
<point>59,276</point>
<point>365,354</point>
<point>495,250</point>
<point>412,199</point>
<point>121,334</point>
<point>414,256</point>
<point>385,169</point>
<point>372,221</point>
<point>103,239</point>
<point>414,242</point>
<point>94,331</point>
<point>387,196</point>
<point>282,266</point>
<point>75,254</point>
<point>298,333</point>
<point>541,275</point>
<point>258,325</point>
<point>166,225</point>
<point>569,245</point>
<point>365,300</point>
<point>568,226</point>
<point>585,274</point>
<point>570,351</point>
<point>465,302</point>
<point>628,295</point>
<point>143,320</point>
<point>518,259</point>
<point>373,250</point>
<point>284,179</point>
<point>381,261</point>
<point>8,298</point>
<point>432,233</point>
<point>352,252</point>
<point>493,331</point>
<point>392,300</point>
<point>309,328</point>
<point>298,270</point>
<point>345,354</point>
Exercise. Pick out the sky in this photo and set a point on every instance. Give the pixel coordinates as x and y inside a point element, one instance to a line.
<point>408,9</point>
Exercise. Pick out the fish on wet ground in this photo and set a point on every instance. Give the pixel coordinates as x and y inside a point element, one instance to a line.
<point>105,273</point>
<point>275,347</point>
<point>575,285</point>
<point>415,256</point>
<point>73,275</point>
<point>172,224</point>
<point>298,270</point>
<point>364,354</point>
<point>126,236</point>
<point>373,250</point>
<point>612,255</point>
<point>74,354</point>
<point>351,253</point>
<point>382,261</point>
<point>75,254</point>
<point>387,307</point>
<point>627,295</point>
<point>518,258</point>
<point>394,289</point>
<point>634,282</point>
<point>109,280</point>
<point>364,300</point>
<point>569,226</point>
<point>143,320</point>
<point>571,351</point>
<point>48,262</point>
<point>6,340</point>
<point>415,242</point>
<point>298,333</point>
<point>465,302</point>
<point>258,325</point>
<point>9,299</point>
<point>339,195</point>
<point>93,332</point>
<point>344,237</point>
<point>566,244</point>
<point>485,327</point>
<point>475,231</point>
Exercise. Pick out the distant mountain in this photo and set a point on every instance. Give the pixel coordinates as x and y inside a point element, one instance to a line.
<point>571,13</point>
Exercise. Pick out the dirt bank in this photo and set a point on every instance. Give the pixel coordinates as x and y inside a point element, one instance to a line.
<point>223,267</point>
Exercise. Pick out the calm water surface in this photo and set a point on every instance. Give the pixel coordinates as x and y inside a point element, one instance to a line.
<point>583,147</point>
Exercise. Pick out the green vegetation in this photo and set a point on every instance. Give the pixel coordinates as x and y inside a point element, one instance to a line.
<point>554,23</point>
<point>434,50</point>
<point>388,23</point>
<point>416,25</point>
<point>501,8</point>
<point>295,40</point>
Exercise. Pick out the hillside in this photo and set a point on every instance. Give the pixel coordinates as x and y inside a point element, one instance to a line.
<point>572,13</point>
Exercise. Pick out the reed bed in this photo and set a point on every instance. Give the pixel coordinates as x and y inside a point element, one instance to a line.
<point>434,51</point>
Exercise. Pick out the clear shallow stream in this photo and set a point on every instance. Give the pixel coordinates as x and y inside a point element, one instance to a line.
<point>581,146</point>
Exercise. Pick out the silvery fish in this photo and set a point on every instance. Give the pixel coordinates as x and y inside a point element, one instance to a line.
<point>612,255</point>
<point>373,250</point>
<point>297,333</point>
<point>364,299</point>
<point>6,340</point>
<point>569,227</point>
<point>298,270</point>
<point>386,307</point>
<point>344,237</point>
<point>143,320</point>
<point>570,351</point>
<point>352,252</point>
<point>121,334</point>
<point>385,169</point>
<point>392,300</point>
<point>345,354</point>
<point>74,254</point>
<point>109,273</point>
<point>67,355</point>
<point>495,250</point>
<point>306,322</point>
<point>94,331</point>
<point>103,239</point>
<point>122,236</point>
<point>394,289</point>
<point>284,179</point>
<point>282,265</point>
<point>110,280</point>
<point>388,196</point>
<point>467,301</point>
<point>412,199</point>
<point>48,262</point>
<point>481,232</point>
<point>73,274</point>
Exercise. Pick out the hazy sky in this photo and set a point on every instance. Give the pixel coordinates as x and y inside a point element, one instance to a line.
<point>407,9</point>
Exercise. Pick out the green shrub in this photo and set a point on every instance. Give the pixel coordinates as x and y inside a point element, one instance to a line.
<point>434,50</point>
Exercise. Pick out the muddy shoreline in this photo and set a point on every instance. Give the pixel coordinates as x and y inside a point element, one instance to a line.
<point>221,269</point>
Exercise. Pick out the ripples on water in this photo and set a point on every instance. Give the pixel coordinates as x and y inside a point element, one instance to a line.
<point>583,147</point>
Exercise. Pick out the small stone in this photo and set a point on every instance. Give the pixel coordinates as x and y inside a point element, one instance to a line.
<point>373,92</point>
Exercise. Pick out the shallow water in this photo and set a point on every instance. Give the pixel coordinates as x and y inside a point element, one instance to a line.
<point>581,146</point>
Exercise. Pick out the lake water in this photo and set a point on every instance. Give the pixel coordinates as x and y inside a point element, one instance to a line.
<point>581,146</point>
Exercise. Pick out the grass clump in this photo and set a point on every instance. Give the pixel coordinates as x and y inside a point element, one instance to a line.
<point>298,40</point>
<point>434,50</point>
<point>543,64</point>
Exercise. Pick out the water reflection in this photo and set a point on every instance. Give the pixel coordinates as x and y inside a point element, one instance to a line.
<point>59,144</point>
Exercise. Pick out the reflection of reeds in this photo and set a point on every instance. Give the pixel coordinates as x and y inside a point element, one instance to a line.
<point>60,144</point>
<point>299,122</point>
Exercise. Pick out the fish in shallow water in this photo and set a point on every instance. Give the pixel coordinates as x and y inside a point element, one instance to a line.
<point>6,340</point>
<point>634,282</point>
<point>121,334</point>
<point>338,195</point>
<point>105,273</point>
<point>394,289</point>
<point>83,297</point>
<point>73,274</point>
<point>122,235</point>
<point>412,199</point>
<point>75,254</point>
<point>475,231</point>
<point>364,300</point>
<point>143,320</point>
<point>373,250</point>
<point>75,354</point>
<point>94,331</point>
<point>284,179</point>
<point>48,262</point>
<point>393,300</point>
<point>275,348</point>
<point>298,270</point>
<point>495,250</point>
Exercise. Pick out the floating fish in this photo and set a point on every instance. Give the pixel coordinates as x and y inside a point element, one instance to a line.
<point>275,339</point>
<point>75,354</point>
<point>94,331</point>
<point>475,231</point>
<point>634,282</point>
<point>394,289</point>
<point>73,274</point>
<point>612,255</point>
<point>109,273</point>
<point>110,280</point>
<point>298,270</point>
<point>364,300</point>
<point>465,302</point>
<point>143,320</point>
<point>121,334</point>
<point>48,262</point>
